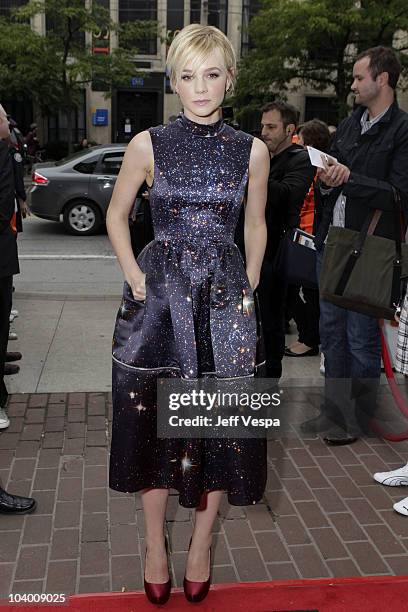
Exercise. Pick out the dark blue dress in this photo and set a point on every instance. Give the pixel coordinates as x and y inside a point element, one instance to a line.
<point>198,318</point>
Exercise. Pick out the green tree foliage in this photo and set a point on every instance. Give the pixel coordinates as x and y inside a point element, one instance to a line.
<point>20,49</point>
<point>314,43</point>
<point>54,69</point>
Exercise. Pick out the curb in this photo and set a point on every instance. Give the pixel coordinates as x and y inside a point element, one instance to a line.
<point>27,295</point>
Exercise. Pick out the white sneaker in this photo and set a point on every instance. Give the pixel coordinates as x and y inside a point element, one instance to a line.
<point>14,312</point>
<point>13,336</point>
<point>4,420</point>
<point>402,506</point>
<point>395,478</point>
<point>11,318</point>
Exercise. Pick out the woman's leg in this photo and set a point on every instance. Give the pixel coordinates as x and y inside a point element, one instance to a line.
<point>197,561</point>
<point>154,507</point>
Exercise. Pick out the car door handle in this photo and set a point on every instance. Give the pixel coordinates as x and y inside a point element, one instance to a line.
<point>105,178</point>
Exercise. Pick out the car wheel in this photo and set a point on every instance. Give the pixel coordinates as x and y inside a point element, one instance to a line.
<point>82,218</point>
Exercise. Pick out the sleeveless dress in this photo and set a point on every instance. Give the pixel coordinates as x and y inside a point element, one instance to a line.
<point>198,318</point>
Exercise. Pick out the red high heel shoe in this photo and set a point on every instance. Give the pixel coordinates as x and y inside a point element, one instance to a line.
<point>158,592</point>
<point>197,591</point>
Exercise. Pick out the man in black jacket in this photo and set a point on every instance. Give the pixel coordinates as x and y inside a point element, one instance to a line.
<point>9,504</point>
<point>371,147</point>
<point>15,152</point>
<point>8,246</point>
<point>290,177</point>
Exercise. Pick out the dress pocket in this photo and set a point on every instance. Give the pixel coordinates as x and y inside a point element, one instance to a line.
<point>128,328</point>
<point>128,294</point>
<point>248,304</point>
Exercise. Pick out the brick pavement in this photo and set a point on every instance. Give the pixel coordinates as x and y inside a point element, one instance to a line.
<point>322,514</point>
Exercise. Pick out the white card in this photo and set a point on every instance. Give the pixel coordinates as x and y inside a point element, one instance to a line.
<point>317,157</point>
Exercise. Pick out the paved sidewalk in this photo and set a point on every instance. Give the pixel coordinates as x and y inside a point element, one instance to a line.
<point>67,345</point>
<point>322,514</point>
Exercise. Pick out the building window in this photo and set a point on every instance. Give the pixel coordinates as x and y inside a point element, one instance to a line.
<point>323,49</point>
<point>217,13</point>
<point>59,29</point>
<point>195,11</point>
<point>140,10</point>
<point>323,108</point>
<point>57,125</point>
<point>21,110</point>
<point>6,6</point>
<point>249,9</point>
<point>175,16</point>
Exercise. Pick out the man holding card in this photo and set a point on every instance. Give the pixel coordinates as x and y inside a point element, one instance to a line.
<point>370,151</point>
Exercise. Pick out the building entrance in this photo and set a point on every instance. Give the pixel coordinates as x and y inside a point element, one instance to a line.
<point>135,112</point>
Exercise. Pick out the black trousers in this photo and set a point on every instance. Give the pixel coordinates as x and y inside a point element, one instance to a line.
<point>272,297</point>
<point>305,312</point>
<point>6,292</point>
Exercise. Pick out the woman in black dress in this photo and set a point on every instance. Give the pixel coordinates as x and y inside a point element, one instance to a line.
<point>187,309</point>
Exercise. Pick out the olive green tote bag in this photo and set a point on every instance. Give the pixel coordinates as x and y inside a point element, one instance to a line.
<point>363,272</point>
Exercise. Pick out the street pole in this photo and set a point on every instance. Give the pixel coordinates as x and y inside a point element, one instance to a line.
<point>204,12</point>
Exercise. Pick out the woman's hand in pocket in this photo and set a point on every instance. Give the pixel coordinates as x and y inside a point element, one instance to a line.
<point>137,283</point>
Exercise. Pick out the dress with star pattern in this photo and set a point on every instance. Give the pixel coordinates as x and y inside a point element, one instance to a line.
<point>198,318</point>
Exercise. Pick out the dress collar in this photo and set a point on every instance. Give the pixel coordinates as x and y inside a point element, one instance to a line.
<point>204,130</point>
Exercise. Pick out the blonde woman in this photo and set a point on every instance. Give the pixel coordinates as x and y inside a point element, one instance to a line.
<point>181,315</point>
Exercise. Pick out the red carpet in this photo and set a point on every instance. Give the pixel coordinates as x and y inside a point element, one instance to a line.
<point>385,593</point>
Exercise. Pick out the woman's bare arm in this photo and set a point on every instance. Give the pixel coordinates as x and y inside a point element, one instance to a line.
<point>137,167</point>
<point>255,225</point>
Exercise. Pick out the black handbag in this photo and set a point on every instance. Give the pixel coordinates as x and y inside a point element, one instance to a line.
<point>295,262</point>
<point>363,272</point>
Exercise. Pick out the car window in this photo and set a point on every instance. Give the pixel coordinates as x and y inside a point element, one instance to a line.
<point>112,162</point>
<point>87,166</point>
<point>71,157</point>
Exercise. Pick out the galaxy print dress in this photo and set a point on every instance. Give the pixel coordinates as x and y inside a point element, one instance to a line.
<point>197,319</point>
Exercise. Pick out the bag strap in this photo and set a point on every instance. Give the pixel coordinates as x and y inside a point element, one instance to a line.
<point>369,225</point>
<point>399,237</point>
<point>374,222</point>
<point>398,218</point>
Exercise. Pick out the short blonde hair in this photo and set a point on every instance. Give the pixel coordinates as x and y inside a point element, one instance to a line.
<point>194,44</point>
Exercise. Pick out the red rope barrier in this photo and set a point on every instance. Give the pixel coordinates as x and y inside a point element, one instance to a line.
<point>396,393</point>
